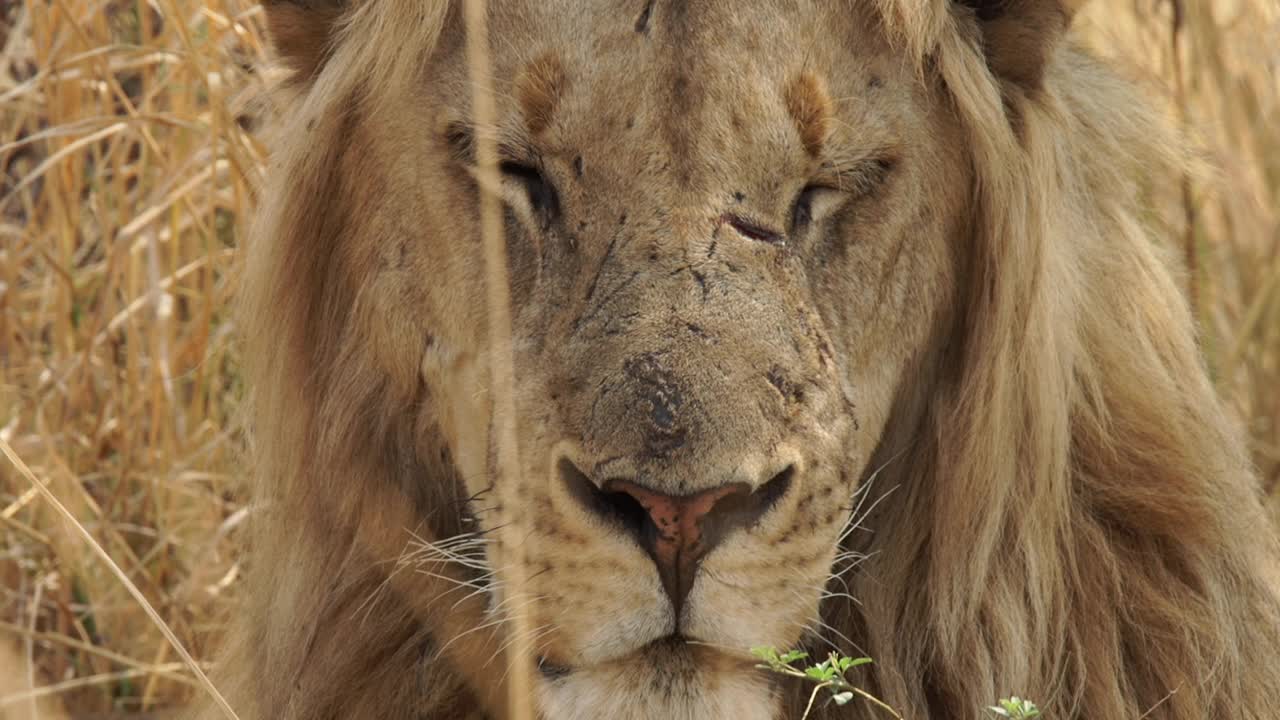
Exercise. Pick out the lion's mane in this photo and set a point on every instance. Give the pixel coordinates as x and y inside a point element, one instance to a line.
<point>1076,520</point>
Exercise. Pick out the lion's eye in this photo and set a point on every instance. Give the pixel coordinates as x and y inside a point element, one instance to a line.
<point>539,191</point>
<point>802,209</point>
<point>819,199</point>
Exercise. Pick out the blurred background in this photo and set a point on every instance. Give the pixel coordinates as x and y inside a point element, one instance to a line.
<point>128,163</point>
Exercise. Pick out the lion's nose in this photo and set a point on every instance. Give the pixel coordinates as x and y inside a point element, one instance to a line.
<point>680,530</point>
<point>677,531</point>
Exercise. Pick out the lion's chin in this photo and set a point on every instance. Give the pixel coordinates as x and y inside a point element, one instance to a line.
<point>664,680</point>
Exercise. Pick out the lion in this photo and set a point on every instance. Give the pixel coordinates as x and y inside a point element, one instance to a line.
<point>834,325</point>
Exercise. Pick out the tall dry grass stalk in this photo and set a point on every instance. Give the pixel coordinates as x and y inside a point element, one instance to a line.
<point>125,178</point>
<point>126,169</point>
<point>501,361</point>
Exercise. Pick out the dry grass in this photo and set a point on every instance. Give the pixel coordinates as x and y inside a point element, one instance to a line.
<point>1217,65</point>
<point>125,175</point>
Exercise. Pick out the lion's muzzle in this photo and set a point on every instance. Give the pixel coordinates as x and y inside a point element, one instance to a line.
<point>676,531</point>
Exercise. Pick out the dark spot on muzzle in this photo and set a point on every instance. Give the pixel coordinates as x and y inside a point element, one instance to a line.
<point>657,387</point>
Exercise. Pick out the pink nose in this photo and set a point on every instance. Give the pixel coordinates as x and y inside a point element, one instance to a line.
<point>683,529</point>
<point>677,531</point>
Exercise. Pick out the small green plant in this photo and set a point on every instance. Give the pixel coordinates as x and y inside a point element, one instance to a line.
<point>827,675</point>
<point>1016,708</point>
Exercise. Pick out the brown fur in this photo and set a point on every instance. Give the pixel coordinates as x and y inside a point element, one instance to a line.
<point>972,358</point>
<point>538,90</point>
<point>302,34</point>
<point>810,108</point>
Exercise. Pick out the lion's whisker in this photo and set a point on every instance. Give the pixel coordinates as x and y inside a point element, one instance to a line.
<point>507,668</point>
<point>479,628</point>
<point>367,605</point>
<point>823,624</point>
<point>809,632</point>
<point>474,584</point>
<point>828,595</point>
<point>487,588</point>
<point>857,515</point>
<point>498,616</point>
<point>531,636</point>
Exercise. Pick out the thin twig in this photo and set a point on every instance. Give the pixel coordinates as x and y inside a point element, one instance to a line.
<point>1176,25</point>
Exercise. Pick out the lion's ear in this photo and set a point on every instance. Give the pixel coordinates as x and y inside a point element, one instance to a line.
<point>1019,36</point>
<point>302,32</point>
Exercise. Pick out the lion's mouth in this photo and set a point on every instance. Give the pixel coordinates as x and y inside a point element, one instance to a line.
<point>674,653</point>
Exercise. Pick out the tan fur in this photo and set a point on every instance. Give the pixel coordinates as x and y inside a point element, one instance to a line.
<point>1010,472</point>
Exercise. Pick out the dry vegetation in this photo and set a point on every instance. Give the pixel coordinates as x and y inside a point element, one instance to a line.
<point>127,167</point>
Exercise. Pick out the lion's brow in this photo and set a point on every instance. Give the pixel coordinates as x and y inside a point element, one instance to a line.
<point>538,88</point>
<point>513,144</point>
<point>810,107</point>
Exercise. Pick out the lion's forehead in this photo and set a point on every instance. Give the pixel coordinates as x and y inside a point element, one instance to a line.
<point>662,97</point>
<point>689,53</point>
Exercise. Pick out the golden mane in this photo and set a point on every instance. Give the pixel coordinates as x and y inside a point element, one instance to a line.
<point>1075,470</point>
<point>1078,367</point>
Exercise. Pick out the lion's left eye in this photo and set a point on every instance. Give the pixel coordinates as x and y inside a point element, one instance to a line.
<point>817,200</point>
<point>539,191</point>
<point>802,208</point>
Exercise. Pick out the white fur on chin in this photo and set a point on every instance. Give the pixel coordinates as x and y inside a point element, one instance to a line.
<point>635,691</point>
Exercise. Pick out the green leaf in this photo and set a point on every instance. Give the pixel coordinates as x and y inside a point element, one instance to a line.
<point>821,673</point>
<point>767,654</point>
<point>827,674</point>
<point>1016,708</point>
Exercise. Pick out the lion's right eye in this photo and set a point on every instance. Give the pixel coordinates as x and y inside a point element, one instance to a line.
<point>539,191</point>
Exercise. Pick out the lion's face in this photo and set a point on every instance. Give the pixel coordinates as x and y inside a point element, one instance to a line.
<point>732,231</point>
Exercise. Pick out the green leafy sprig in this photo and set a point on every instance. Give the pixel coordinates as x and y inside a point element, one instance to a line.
<point>1016,708</point>
<point>827,675</point>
